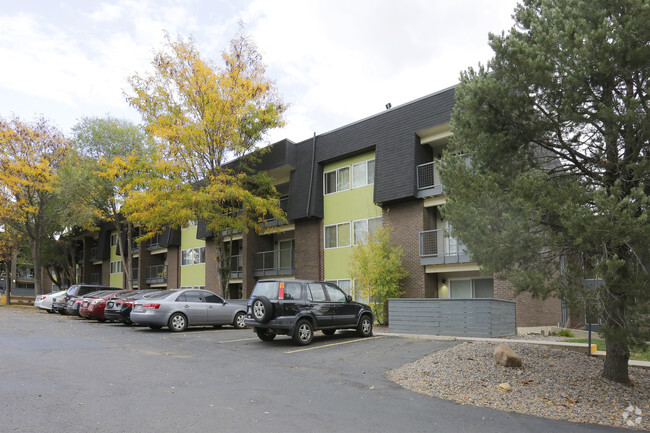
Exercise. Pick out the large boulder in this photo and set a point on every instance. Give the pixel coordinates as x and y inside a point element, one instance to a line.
<point>507,357</point>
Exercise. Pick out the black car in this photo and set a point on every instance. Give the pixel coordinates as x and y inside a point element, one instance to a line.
<point>119,307</point>
<point>298,308</point>
<point>78,290</point>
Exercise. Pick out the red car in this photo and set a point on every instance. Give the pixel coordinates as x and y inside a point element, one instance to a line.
<point>93,307</point>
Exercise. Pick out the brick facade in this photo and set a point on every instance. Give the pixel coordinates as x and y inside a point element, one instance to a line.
<point>530,311</point>
<point>309,250</point>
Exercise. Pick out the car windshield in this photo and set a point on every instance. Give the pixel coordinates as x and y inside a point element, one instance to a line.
<point>266,288</point>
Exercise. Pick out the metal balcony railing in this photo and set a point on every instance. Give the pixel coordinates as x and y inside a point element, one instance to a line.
<point>153,243</point>
<point>156,274</point>
<point>427,175</point>
<point>441,244</point>
<point>236,270</point>
<point>276,262</point>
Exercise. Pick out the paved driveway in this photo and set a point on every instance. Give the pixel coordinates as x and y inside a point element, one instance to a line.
<point>65,374</point>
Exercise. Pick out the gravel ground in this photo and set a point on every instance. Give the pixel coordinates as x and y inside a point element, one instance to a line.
<point>552,383</point>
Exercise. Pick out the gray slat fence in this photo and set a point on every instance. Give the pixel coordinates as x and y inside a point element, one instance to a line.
<point>452,317</point>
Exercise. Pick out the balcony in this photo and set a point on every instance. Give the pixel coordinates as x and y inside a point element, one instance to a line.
<point>134,277</point>
<point>154,243</point>
<point>429,180</point>
<point>156,274</point>
<point>438,247</point>
<point>277,262</point>
<point>274,222</point>
<point>236,270</point>
<point>95,278</point>
<point>94,255</point>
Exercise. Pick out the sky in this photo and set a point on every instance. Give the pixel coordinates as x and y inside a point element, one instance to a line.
<point>334,62</point>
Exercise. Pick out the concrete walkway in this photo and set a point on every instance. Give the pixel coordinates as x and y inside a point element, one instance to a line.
<point>576,347</point>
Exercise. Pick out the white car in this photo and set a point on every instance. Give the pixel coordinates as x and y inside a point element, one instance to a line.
<point>44,302</point>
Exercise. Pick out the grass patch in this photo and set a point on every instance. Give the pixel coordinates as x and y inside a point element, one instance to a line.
<point>635,353</point>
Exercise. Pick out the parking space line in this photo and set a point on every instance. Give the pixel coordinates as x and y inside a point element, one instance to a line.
<point>333,344</point>
<point>240,339</point>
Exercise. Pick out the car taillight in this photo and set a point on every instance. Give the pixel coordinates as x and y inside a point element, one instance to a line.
<point>79,301</point>
<point>154,306</point>
<point>124,302</point>
<point>281,291</point>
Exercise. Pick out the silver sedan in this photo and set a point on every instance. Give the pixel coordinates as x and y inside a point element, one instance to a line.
<point>178,309</point>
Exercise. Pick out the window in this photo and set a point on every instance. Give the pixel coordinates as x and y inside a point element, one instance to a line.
<point>190,296</point>
<point>113,239</point>
<point>292,290</point>
<point>316,292</point>
<point>337,235</point>
<point>212,298</point>
<point>335,294</point>
<point>191,224</point>
<point>337,180</point>
<point>193,256</point>
<point>345,285</point>
<point>365,229</point>
<point>363,174</point>
<point>116,267</point>
<point>476,288</point>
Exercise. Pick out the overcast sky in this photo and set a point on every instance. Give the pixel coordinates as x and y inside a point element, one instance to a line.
<point>334,61</point>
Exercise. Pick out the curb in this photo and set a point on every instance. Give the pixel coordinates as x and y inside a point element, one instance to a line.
<point>576,347</point>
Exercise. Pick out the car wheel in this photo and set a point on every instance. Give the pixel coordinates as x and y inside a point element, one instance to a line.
<point>265,334</point>
<point>262,309</point>
<point>177,322</point>
<point>364,329</point>
<point>49,311</point>
<point>239,323</point>
<point>303,333</point>
<point>329,331</point>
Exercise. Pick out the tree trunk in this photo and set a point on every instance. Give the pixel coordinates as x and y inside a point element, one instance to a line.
<point>14,274</point>
<point>223,271</point>
<point>618,354</point>
<point>35,247</point>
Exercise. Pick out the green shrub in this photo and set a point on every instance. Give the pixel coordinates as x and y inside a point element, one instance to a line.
<point>565,333</point>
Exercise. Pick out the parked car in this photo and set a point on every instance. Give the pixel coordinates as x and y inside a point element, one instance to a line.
<point>118,308</point>
<point>60,306</point>
<point>178,309</point>
<point>44,302</point>
<point>298,308</point>
<point>93,307</point>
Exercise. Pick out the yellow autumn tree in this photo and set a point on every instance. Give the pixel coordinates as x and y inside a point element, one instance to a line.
<point>30,156</point>
<point>204,116</point>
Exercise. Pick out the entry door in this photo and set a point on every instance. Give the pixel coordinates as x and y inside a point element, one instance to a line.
<point>194,307</point>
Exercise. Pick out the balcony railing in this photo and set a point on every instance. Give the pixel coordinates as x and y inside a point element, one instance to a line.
<point>156,274</point>
<point>236,270</point>
<point>273,222</point>
<point>153,243</point>
<point>134,276</point>
<point>277,262</point>
<point>95,278</point>
<point>428,180</point>
<point>94,254</point>
<point>440,247</point>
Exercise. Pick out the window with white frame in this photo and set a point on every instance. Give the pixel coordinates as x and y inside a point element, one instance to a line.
<point>191,224</point>
<point>193,256</point>
<point>116,267</point>
<point>344,284</point>
<point>337,180</point>
<point>365,229</point>
<point>113,239</point>
<point>337,235</point>
<point>471,288</point>
<point>363,173</point>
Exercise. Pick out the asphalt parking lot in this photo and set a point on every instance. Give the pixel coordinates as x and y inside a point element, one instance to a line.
<point>66,374</point>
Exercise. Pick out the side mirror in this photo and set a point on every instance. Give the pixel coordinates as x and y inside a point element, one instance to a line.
<point>348,298</point>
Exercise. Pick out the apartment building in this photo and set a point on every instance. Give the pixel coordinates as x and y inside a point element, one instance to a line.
<point>336,188</point>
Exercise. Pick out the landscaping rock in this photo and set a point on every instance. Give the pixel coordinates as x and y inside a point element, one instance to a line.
<point>505,386</point>
<point>507,357</point>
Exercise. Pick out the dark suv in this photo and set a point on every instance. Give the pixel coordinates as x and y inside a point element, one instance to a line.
<point>298,308</point>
